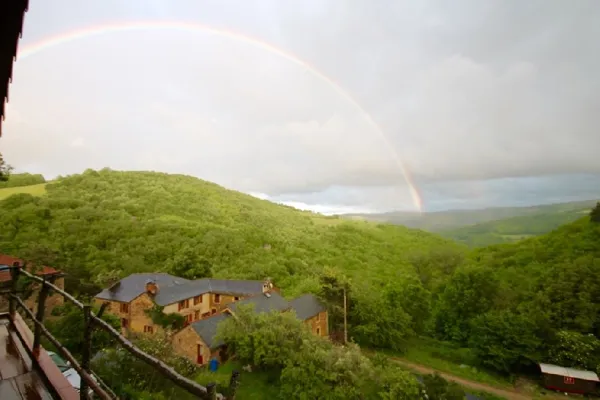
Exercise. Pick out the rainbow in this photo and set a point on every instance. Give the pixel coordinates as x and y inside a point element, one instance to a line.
<point>69,36</point>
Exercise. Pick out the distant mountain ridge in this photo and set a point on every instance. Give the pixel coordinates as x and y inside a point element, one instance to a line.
<point>452,219</point>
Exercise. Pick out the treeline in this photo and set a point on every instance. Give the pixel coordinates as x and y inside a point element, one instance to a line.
<point>512,305</point>
<point>537,300</point>
<point>24,179</point>
<point>512,229</point>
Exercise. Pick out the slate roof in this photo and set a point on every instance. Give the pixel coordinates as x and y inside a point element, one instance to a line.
<point>172,289</point>
<point>132,286</point>
<point>262,303</point>
<point>207,329</point>
<point>306,306</point>
<point>11,25</point>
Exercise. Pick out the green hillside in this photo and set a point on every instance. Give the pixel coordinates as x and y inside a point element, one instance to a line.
<point>501,307</point>
<point>535,300</point>
<point>34,190</point>
<point>33,184</point>
<point>453,219</point>
<point>513,229</point>
<point>24,179</point>
<point>102,225</point>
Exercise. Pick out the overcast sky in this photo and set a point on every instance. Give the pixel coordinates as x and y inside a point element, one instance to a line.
<point>486,102</point>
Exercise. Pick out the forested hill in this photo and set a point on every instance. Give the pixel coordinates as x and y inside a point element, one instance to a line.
<point>536,300</point>
<point>103,224</point>
<point>512,305</point>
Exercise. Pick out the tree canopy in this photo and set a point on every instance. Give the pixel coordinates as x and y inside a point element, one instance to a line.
<point>512,304</point>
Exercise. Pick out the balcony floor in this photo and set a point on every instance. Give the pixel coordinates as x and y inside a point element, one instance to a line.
<point>17,378</point>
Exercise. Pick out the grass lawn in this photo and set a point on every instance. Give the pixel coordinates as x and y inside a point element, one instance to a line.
<point>253,385</point>
<point>35,190</point>
<point>448,358</point>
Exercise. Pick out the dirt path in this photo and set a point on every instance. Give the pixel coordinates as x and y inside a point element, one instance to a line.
<point>507,393</point>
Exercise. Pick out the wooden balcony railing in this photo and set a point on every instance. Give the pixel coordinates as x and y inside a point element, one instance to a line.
<point>91,322</point>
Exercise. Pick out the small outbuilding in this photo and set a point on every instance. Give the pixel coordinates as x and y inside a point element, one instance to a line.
<point>568,379</point>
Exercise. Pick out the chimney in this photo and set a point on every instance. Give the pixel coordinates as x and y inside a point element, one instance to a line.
<point>151,287</point>
<point>267,286</point>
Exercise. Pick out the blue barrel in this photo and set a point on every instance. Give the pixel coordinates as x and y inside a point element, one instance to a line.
<point>213,365</point>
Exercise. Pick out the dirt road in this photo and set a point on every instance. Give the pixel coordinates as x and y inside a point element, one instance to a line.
<point>507,393</point>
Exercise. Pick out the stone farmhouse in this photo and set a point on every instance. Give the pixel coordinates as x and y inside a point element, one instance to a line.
<point>49,273</point>
<point>203,303</point>
<point>198,341</point>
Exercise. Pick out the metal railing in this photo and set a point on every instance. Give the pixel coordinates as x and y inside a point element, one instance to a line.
<point>91,322</point>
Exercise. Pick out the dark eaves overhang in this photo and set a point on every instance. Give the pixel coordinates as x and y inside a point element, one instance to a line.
<point>12,13</point>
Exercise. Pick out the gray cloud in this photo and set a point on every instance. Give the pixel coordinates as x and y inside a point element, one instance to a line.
<point>463,93</point>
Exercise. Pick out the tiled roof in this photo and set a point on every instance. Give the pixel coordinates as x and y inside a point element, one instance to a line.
<point>172,289</point>
<point>11,25</point>
<point>172,294</point>
<point>207,329</point>
<point>307,306</point>
<point>132,286</point>
<point>262,303</point>
<point>9,261</point>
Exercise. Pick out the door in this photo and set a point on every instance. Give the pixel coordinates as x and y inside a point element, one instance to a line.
<point>199,358</point>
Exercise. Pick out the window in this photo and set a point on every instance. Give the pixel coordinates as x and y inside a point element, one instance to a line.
<point>197,299</point>
<point>190,318</point>
<point>569,380</point>
<point>217,298</point>
<point>318,317</point>
<point>197,315</point>
<point>318,331</point>
<point>184,304</point>
<point>213,311</point>
<point>124,307</point>
<point>148,329</point>
<point>124,323</point>
<point>236,298</point>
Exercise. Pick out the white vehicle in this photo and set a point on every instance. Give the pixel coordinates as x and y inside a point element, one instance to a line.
<point>69,372</point>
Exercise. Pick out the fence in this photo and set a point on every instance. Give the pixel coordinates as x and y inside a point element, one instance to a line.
<point>91,322</point>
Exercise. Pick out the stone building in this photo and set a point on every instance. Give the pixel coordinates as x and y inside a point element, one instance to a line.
<point>133,296</point>
<point>198,341</point>
<point>52,301</point>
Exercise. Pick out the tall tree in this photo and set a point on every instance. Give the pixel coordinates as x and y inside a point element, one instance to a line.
<point>595,214</point>
<point>5,169</point>
<point>334,292</point>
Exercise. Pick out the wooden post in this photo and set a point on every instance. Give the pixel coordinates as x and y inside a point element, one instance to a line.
<point>14,285</point>
<point>211,391</point>
<point>41,310</point>
<point>345,318</point>
<point>234,382</point>
<point>102,308</point>
<point>86,351</point>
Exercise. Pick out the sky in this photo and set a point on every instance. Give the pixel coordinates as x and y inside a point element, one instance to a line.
<point>484,103</point>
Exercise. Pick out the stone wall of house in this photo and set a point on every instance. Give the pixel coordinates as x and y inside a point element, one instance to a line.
<point>52,301</point>
<point>319,324</point>
<point>207,307</point>
<point>114,308</point>
<point>137,313</point>
<point>186,342</point>
<point>195,310</point>
<point>224,300</point>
